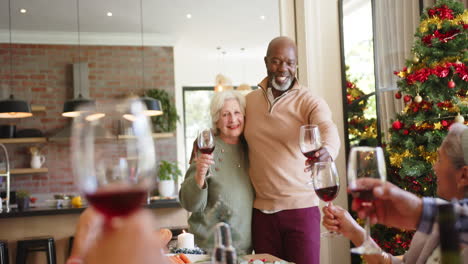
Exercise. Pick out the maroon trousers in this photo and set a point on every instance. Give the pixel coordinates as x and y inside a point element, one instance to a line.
<point>292,235</point>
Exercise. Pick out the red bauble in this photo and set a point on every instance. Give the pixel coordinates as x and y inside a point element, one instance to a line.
<point>407,98</point>
<point>405,132</point>
<point>397,125</point>
<point>415,109</point>
<point>451,84</point>
<point>444,123</point>
<point>398,95</point>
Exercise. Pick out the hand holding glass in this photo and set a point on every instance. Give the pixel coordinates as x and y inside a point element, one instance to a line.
<point>206,144</point>
<point>365,162</point>
<point>326,184</point>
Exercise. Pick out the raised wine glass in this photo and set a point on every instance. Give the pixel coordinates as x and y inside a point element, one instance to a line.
<point>113,156</point>
<point>365,162</point>
<point>309,140</point>
<point>206,145</point>
<point>326,184</point>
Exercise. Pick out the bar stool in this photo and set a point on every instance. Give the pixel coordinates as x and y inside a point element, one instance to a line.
<point>46,244</point>
<point>4,252</point>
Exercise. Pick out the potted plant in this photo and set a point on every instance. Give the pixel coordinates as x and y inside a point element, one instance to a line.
<point>22,199</point>
<point>168,173</point>
<point>167,122</point>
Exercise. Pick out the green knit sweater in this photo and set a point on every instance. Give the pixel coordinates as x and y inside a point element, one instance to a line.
<point>228,197</point>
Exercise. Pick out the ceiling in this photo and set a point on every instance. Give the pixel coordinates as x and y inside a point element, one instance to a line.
<point>217,22</point>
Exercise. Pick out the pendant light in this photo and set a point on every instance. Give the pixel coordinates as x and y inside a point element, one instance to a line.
<point>71,108</point>
<point>11,107</point>
<point>153,106</point>
<point>222,82</point>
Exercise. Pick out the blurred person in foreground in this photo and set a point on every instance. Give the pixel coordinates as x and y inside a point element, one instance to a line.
<point>397,208</point>
<point>121,240</point>
<point>227,195</point>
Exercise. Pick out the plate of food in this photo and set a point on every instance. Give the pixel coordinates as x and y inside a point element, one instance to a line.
<point>181,258</point>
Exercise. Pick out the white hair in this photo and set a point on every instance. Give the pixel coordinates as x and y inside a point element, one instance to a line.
<point>217,103</point>
<point>455,145</point>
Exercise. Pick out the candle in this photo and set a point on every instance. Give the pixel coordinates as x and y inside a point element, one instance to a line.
<point>185,240</point>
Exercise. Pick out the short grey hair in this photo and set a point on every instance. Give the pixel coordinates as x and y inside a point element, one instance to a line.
<point>217,103</point>
<point>455,145</point>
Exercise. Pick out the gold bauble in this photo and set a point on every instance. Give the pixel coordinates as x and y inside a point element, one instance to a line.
<point>408,70</point>
<point>459,119</point>
<point>418,99</point>
<point>415,58</point>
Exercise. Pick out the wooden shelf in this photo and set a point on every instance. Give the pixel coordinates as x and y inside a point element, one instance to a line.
<point>27,171</point>
<point>155,135</point>
<point>23,140</point>
<point>38,108</point>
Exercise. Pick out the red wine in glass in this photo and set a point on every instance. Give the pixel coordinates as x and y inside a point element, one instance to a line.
<point>207,150</point>
<point>327,194</point>
<point>363,196</point>
<point>310,154</point>
<point>114,203</point>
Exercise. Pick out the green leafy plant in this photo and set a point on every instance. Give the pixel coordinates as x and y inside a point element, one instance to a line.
<point>168,171</point>
<point>22,194</point>
<point>167,122</point>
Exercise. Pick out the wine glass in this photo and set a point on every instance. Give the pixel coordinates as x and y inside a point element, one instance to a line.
<point>205,141</point>
<point>365,162</point>
<point>309,140</point>
<point>113,156</point>
<point>326,185</point>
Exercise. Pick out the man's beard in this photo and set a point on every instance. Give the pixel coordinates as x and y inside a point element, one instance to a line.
<point>283,87</point>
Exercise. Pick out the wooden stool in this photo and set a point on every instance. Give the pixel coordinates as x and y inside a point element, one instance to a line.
<point>4,252</point>
<point>46,244</point>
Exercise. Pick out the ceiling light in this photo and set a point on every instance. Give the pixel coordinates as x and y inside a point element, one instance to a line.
<point>262,17</point>
<point>109,14</point>
<point>23,11</point>
<point>189,16</point>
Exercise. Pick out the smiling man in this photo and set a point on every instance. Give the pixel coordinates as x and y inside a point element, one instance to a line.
<point>286,218</point>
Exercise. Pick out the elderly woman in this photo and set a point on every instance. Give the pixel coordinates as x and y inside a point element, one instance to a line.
<point>451,169</point>
<point>227,195</point>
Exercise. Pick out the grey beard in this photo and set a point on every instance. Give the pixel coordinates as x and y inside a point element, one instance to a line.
<point>281,88</point>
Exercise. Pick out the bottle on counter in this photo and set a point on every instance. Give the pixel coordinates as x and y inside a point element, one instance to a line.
<point>449,236</point>
<point>229,250</point>
<point>218,250</point>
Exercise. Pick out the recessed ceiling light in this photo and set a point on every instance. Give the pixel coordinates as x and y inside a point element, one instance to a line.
<point>262,17</point>
<point>23,11</point>
<point>189,16</point>
<point>109,14</point>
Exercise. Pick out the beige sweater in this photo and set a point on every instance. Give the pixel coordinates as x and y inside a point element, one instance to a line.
<point>272,133</point>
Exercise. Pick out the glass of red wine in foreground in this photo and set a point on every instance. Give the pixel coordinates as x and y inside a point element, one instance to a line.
<point>206,144</point>
<point>113,156</point>
<point>365,162</point>
<point>309,140</point>
<point>326,185</point>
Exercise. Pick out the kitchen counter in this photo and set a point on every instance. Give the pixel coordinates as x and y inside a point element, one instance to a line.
<point>43,211</point>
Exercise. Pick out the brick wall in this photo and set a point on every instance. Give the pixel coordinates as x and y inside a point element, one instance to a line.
<point>43,75</point>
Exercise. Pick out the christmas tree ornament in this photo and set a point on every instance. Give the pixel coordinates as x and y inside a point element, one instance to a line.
<point>459,119</point>
<point>437,126</point>
<point>408,70</point>
<point>407,98</point>
<point>398,95</point>
<point>418,99</point>
<point>415,58</point>
<point>451,84</point>
<point>397,125</point>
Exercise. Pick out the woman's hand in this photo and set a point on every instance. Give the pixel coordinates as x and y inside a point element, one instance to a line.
<point>337,219</point>
<point>203,161</point>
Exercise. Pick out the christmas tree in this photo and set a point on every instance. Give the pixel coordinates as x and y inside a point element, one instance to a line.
<point>362,131</point>
<point>434,86</point>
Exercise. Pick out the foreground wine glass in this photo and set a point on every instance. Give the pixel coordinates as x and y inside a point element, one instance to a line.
<point>205,141</point>
<point>113,156</point>
<point>365,162</point>
<point>309,140</point>
<point>326,184</point>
